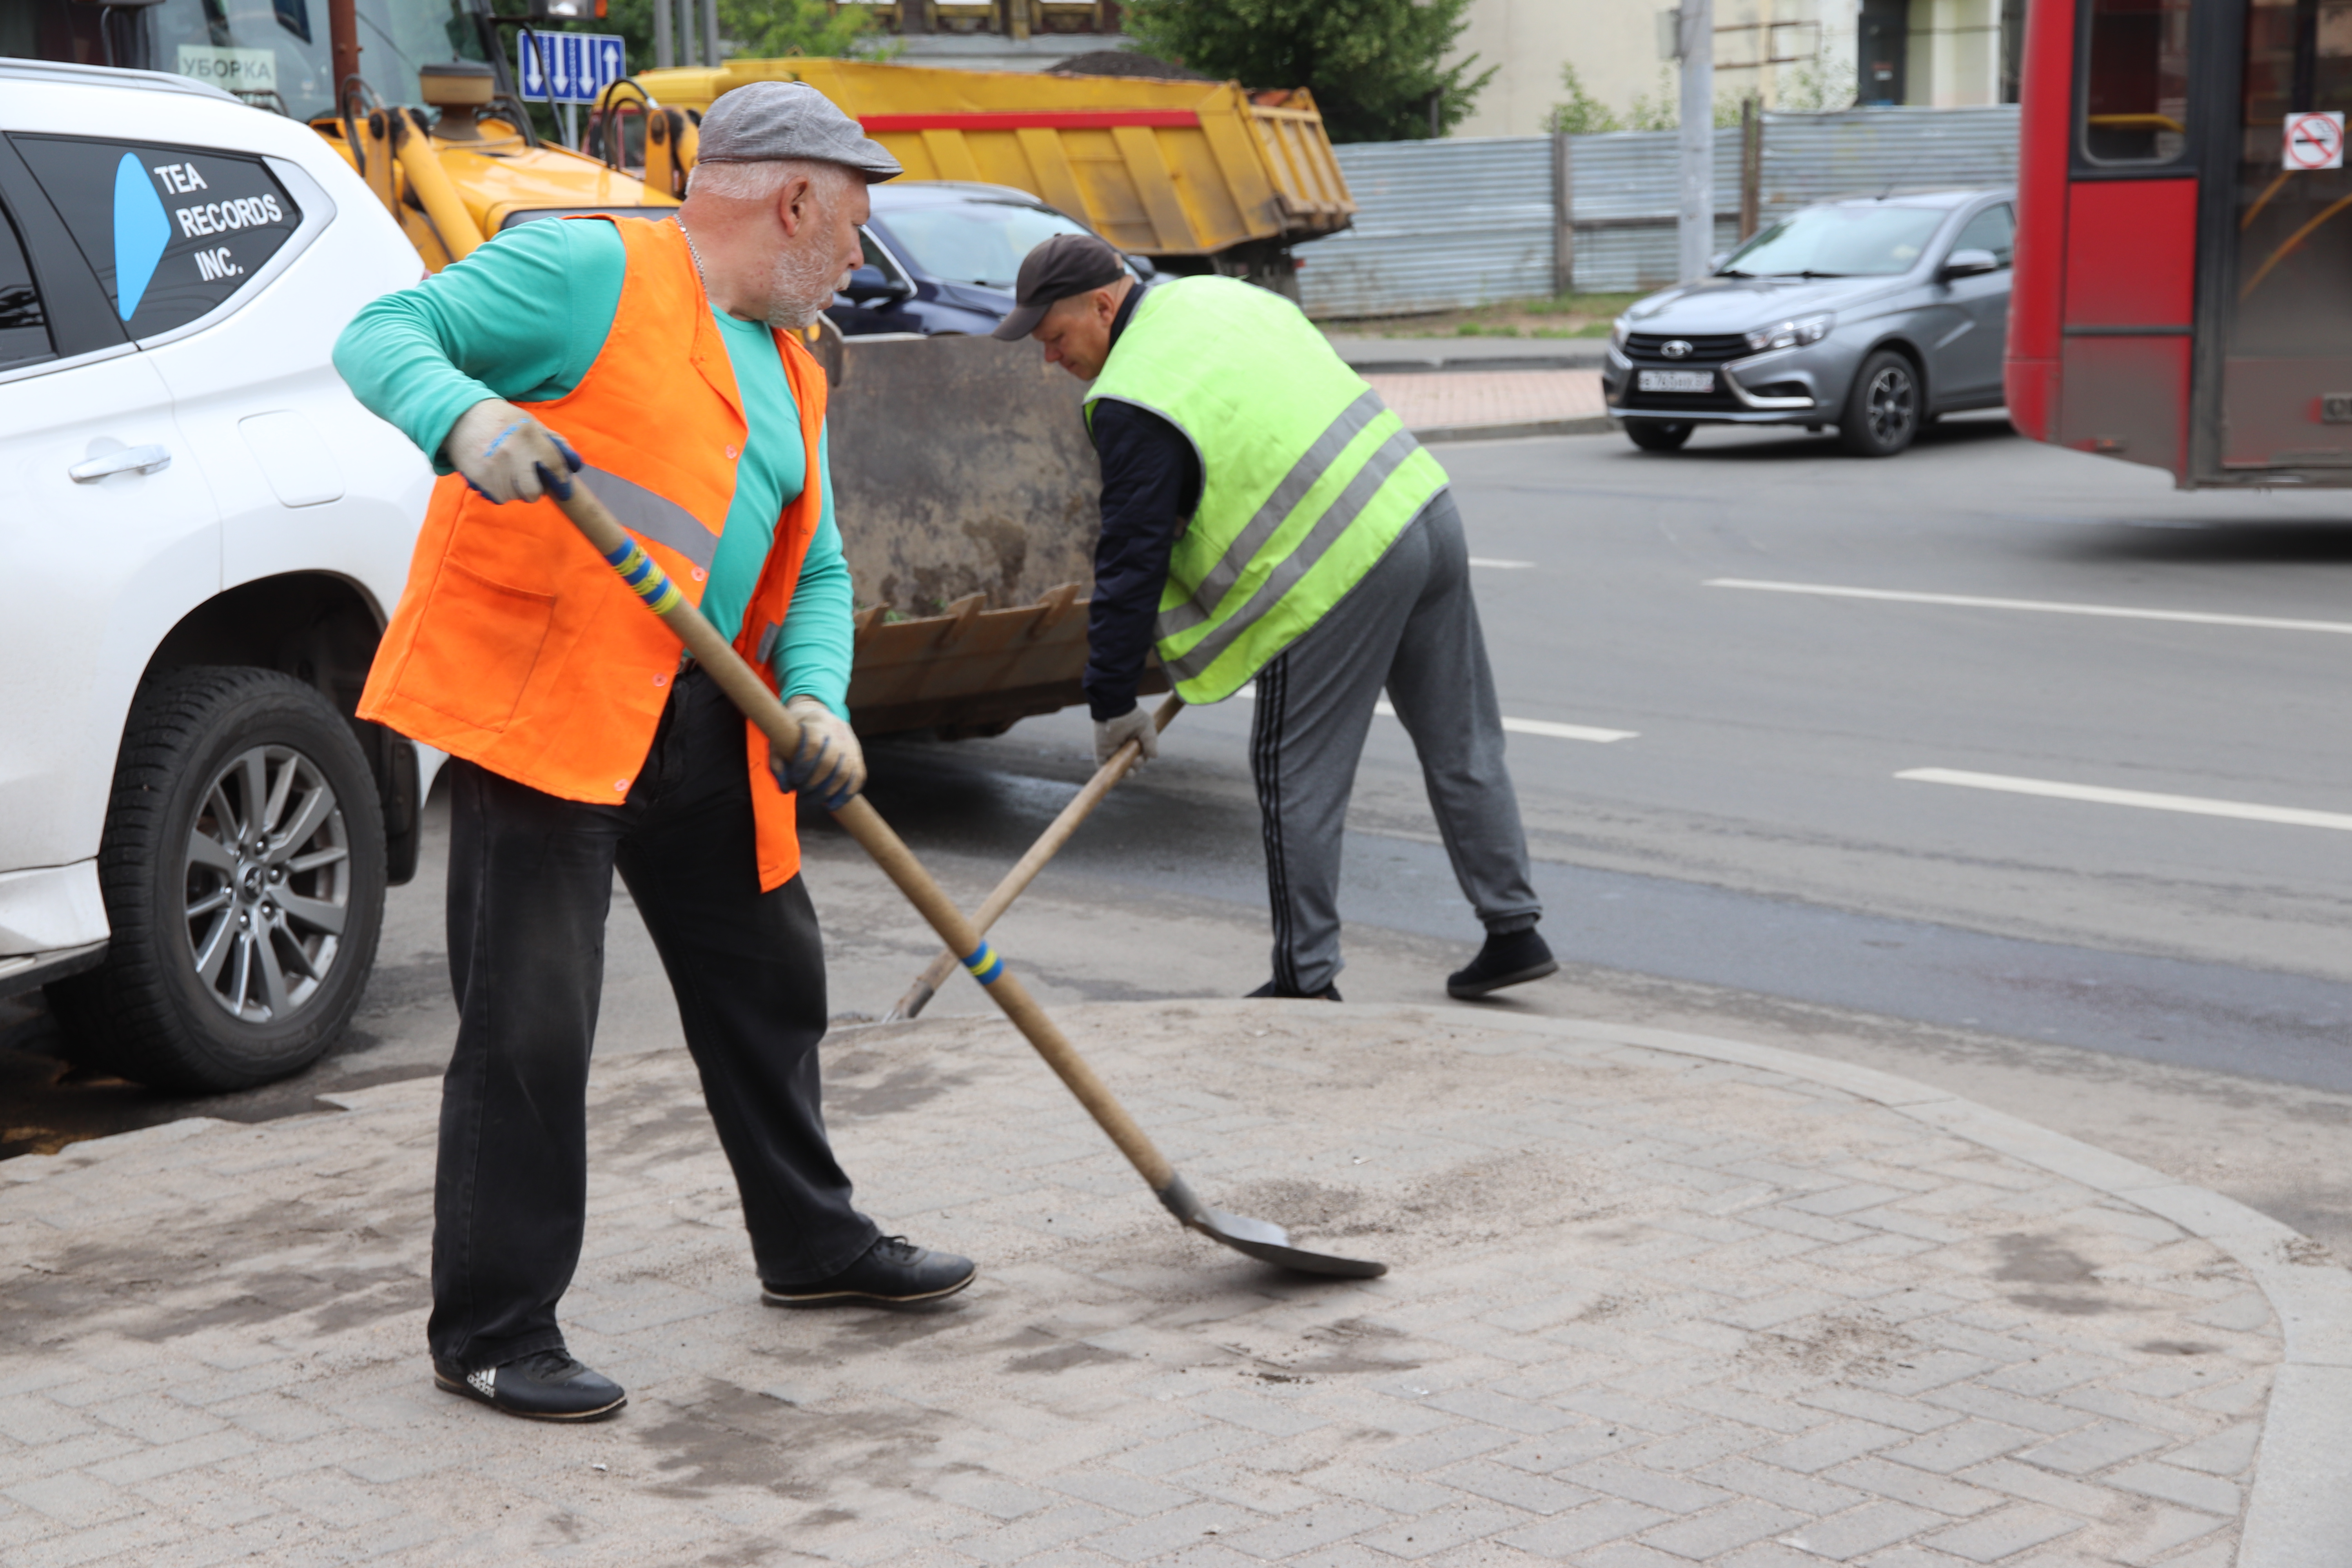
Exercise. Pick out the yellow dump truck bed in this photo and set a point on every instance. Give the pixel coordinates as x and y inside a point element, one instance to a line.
<point>1163,168</point>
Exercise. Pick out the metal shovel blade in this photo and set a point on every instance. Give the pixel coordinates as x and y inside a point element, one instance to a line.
<point>1266,1243</point>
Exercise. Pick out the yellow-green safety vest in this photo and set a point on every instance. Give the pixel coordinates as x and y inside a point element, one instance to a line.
<point>1307,477</point>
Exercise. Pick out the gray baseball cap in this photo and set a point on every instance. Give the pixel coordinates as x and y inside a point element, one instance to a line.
<point>763,121</point>
<point>1061,267</point>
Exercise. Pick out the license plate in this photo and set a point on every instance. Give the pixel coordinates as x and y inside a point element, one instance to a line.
<point>1677,380</point>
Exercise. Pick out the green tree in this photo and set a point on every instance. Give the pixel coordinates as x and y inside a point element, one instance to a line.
<point>758,30</point>
<point>1581,114</point>
<point>1374,65</point>
<point>768,29</point>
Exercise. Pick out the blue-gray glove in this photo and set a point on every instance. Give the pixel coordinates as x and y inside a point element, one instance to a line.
<point>830,764</point>
<point>506,455</point>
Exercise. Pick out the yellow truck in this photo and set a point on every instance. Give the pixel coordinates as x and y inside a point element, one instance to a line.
<point>1197,175</point>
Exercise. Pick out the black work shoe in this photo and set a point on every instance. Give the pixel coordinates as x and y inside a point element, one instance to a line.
<point>1509,957</point>
<point>1274,988</point>
<point>893,1271</point>
<point>546,1386</point>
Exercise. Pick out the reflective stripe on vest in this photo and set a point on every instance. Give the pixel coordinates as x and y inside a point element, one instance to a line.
<point>1306,476</point>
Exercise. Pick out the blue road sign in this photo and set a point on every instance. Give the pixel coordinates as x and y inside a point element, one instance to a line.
<point>567,67</point>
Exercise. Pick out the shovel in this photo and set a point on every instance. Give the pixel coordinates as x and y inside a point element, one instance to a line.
<point>1024,870</point>
<point>1256,1237</point>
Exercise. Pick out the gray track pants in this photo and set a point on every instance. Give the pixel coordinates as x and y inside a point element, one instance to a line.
<point>1409,626</point>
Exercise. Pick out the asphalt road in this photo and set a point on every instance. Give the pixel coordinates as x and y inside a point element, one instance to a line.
<point>2174,984</point>
<point>1753,831</point>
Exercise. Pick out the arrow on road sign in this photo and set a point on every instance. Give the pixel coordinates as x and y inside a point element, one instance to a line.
<point>567,67</point>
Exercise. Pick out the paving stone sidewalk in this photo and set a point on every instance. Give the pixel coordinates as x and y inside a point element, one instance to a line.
<point>1461,400</point>
<point>1646,1310</point>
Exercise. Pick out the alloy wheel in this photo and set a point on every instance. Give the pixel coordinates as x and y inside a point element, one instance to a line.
<point>1890,405</point>
<point>269,879</point>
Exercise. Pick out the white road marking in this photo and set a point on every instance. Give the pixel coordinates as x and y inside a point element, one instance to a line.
<point>1386,709</point>
<point>1499,565</point>
<point>2047,606</point>
<point>1566,731</point>
<point>2196,806</point>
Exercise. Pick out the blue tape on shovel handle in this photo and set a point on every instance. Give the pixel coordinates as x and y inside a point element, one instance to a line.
<point>644,579</point>
<point>985,965</point>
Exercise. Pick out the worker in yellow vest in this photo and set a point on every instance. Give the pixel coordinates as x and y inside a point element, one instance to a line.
<point>1266,519</point>
<point>659,361</point>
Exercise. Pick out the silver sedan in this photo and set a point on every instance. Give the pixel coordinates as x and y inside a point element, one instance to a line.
<point>1875,316</point>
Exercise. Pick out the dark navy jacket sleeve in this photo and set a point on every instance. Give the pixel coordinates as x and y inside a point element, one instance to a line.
<point>1150,484</point>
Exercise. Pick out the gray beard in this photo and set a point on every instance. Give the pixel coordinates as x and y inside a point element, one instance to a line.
<point>799,288</point>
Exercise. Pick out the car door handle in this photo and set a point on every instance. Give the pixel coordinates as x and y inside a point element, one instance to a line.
<point>143,459</point>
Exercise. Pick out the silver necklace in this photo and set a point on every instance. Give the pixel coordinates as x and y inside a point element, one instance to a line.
<point>693,250</point>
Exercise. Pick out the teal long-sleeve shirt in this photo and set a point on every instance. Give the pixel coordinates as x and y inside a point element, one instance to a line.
<point>523,317</point>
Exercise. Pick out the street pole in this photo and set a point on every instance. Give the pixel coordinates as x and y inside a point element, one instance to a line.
<point>1695,228</point>
<point>663,59</point>
<point>342,44</point>
<point>710,32</point>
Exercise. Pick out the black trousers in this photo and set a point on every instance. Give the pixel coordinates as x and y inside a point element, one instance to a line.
<point>530,883</point>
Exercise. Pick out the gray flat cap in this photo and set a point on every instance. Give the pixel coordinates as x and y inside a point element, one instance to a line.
<point>769,119</point>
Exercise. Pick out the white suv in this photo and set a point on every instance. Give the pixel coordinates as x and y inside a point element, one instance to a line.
<point>202,532</point>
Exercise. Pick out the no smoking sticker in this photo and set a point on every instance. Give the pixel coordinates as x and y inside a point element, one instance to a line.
<point>2314,141</point>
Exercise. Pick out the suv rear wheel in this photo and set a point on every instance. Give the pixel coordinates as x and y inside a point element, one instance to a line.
<point>243,869</point>
<point>1882,411</point>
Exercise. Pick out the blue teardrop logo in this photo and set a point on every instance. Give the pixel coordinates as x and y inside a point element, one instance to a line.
<point>142,230</point>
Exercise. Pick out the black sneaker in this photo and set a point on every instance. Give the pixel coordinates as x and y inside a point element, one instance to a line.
<point>892,1272</point>
<point>546,1386</point>
<point>1274,988</point>
<point>1509,957</point>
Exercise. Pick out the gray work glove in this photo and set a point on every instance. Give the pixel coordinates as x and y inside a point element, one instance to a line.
<point>506,455</point>
<point>830,764</point>
<point>1134,724</point>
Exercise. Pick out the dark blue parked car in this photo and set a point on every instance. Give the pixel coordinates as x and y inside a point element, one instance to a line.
<point>941,256</point>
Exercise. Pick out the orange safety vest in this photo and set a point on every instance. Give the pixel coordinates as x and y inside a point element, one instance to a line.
<point>517,647</point>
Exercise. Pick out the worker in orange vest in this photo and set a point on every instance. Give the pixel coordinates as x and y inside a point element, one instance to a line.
<point>666,355</point>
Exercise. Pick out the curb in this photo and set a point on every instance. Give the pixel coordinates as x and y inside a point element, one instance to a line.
<point>1474,366</point>
<point>2298,1509</point>
<point>1586,424</point>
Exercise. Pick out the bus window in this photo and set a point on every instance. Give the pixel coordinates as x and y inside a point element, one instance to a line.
<point>2136,83</point>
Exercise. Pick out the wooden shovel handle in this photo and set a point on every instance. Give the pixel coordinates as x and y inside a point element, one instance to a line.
<point>748,692</point>
<point>1024,870</point>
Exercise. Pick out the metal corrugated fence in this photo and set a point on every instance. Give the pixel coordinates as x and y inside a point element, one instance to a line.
<point>1445,224</point>
<point>1624,186</point>
<point>1812,158</point>
<point>1438,225</point>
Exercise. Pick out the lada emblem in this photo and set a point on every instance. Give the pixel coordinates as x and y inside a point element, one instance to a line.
<point>1676,348</point>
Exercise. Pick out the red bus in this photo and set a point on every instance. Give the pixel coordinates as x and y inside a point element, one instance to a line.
<point>2183,287</point>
